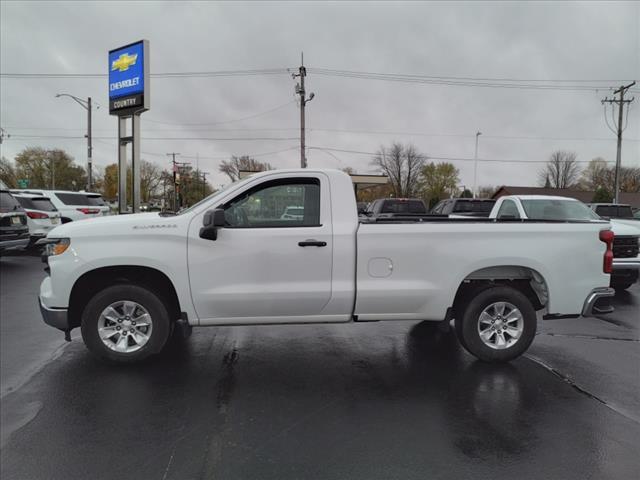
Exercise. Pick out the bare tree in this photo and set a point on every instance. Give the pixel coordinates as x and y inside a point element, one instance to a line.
<point>402,164</point>
<point>595,175</point>
<point>235,165</point>
<point>561,171</point>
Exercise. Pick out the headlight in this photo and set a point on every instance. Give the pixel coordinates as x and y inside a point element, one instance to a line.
<point>56,246</point>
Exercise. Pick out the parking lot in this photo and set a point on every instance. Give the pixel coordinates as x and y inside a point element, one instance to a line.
<point>373,400</point>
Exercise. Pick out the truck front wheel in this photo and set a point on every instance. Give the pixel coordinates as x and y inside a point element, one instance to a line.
<point>497,325</point>
<point>125,323</point>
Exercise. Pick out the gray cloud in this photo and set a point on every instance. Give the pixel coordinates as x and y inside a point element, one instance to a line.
<point>587,40</point>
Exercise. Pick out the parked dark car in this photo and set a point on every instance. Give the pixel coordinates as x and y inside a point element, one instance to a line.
<point>613,210</point>
<point>14,232</point>
<point>393,207</point>
<point>464,207</point>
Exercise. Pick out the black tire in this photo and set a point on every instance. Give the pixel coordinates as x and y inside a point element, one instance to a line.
<point>146,298</point>
<point>621,287</point>
<point>467,324</point>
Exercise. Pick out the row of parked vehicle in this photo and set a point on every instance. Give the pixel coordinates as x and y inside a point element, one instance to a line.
<point>625,222</point>
<point>26,216</point>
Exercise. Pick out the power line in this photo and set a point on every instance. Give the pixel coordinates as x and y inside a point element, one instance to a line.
<point>214,139</point>
<point>445,158</point>
<point>467,81</point>
<point>357,132</point>
<point>215,73</point>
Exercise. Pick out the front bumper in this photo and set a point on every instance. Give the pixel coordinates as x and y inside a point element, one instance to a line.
<point>56,317</point>
<point>593,297</point>
<point>626,263</point>
<point>14,244</point>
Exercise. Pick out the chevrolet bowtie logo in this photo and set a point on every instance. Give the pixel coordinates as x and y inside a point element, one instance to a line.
<point>123,62</point>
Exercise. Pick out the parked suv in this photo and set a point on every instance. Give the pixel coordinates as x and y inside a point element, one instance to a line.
<point>464,207</point>
<point>72,205</point>
<point>42,215</point>
<point>14,232</point>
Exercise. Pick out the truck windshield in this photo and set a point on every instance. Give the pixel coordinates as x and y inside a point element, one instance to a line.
<point>473,206</point>
<point>555,209</point>
<point>403,206</point>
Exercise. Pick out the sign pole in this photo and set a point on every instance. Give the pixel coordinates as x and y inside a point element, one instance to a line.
<point>122,164</point>
<point>135,162</point>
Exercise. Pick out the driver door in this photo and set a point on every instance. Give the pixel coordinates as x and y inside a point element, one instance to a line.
<point>272,260</point>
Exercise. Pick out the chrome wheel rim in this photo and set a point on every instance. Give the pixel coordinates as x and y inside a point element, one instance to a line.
<point>500,325</point>
<point>125,326</point>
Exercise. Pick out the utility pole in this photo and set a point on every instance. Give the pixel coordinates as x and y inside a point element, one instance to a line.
<point>3,134</point>
<point>204,183</point>
<point>175,184</point>
<point>620,128</point>
<point>89,147</point>
<point>302,72</point>
<point>475,167</point>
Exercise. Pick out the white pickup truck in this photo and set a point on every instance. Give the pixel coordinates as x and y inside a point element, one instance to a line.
<point>626,242</point>
<point>232,259</point>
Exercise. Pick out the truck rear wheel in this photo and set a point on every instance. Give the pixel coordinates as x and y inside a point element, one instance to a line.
<point>497,325</point>
<point>125,323</point>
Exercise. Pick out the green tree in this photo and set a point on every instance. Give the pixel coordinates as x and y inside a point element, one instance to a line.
<point>438,181</point>
<point>602,195</point>
<point>50,169</point>
<point>466,193</point>
<point>8,173</point>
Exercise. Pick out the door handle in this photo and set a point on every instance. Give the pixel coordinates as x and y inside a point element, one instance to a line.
<point>312,243</point>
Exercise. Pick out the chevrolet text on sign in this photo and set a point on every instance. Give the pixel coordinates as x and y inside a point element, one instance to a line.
<point>128,78</point>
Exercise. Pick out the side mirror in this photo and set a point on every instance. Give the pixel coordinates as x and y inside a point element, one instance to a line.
<point>213,219</point>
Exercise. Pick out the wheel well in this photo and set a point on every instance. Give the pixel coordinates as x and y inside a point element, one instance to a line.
<point>524,279</point>
<point>95,280</point>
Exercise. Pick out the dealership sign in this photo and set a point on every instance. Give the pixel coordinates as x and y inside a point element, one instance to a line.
<point>129,79</point>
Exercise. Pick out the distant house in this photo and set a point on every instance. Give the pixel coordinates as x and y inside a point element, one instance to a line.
<point>585,196</point>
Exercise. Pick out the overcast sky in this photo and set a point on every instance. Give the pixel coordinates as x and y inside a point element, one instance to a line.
<point>589,43</point>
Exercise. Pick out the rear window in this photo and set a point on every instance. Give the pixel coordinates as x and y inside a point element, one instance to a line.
<point>96,200</point>
<point>8,202</point>
<point>558,210</point>
<point>73,198</point>
<point>471,206</point>
<point>42,204</point>
<point>614,211</point>
<point>403,206</point>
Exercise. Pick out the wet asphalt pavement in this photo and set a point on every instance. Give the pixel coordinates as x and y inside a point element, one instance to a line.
<point>356,401</point>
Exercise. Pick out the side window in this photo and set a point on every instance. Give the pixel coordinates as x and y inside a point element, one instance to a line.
<point>508,209</point>
<point>291,202</point>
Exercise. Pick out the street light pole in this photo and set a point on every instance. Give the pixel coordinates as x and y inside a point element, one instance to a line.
<point>89,147</point>
<point>475,168</point>
<point>87,105</point>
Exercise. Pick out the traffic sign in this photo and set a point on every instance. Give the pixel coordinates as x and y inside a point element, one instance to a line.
<point>23,183</point>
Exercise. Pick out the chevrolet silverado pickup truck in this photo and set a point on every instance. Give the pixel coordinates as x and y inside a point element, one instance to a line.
<point>129,281</point>
<point>626,241</point>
